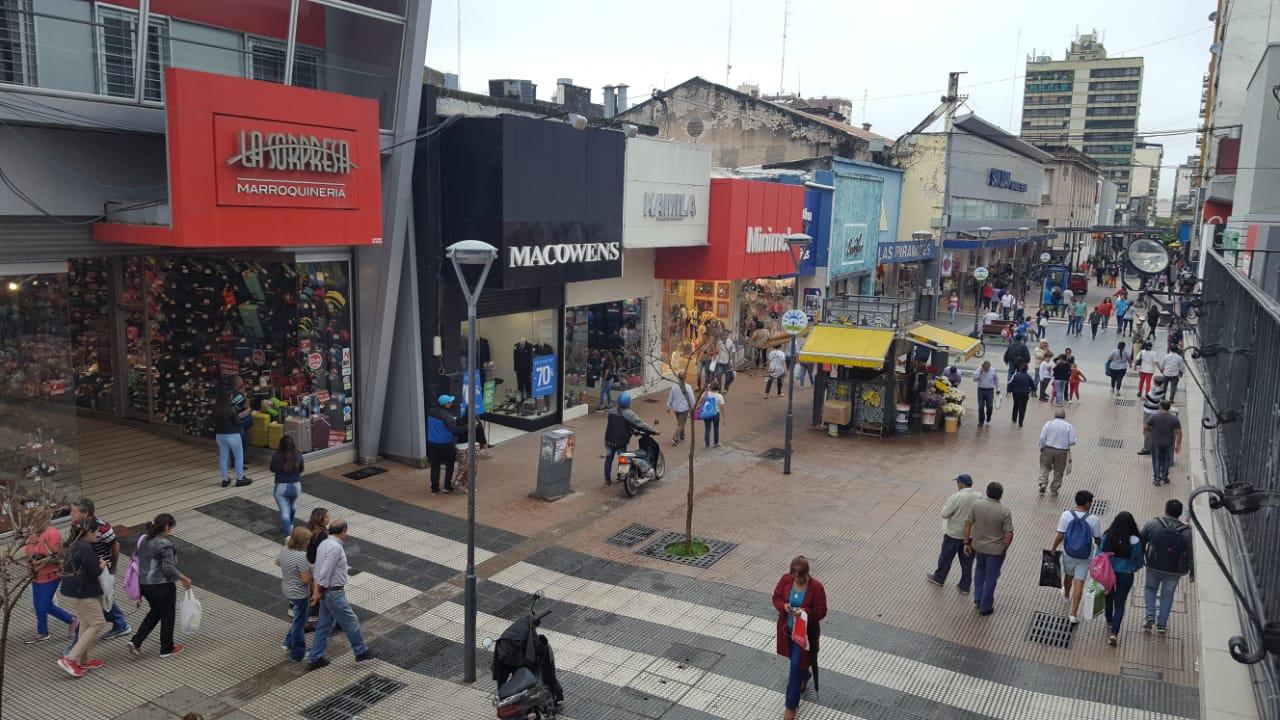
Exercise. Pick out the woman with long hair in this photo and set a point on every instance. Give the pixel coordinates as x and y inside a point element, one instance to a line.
<point>295,582</point>
<point>43,550</point>
<point>1125,545</point>
<point>157,575</point>
<point>228,432</point>
<point>287,465</point>
<point>798,592</point>
<point>318,524</point>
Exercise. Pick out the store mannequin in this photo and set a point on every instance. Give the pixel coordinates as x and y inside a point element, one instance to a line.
<point>522,356</point>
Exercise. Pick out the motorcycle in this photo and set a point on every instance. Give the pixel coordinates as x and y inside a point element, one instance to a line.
<point>524,670</point>
<point>637,467</point>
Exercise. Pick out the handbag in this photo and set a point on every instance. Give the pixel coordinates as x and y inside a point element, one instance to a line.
<point>1050,569</point>
<point>1094,601</point>
<point>800,630</point>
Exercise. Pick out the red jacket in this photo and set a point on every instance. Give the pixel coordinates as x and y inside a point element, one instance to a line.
<point>815,604</point>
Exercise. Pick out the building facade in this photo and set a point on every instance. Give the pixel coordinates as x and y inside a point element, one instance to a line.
<point>1144,184</point>
<point>1069,196</point>
<point>1087,101</point>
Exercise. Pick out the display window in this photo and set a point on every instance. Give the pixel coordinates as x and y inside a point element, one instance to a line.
<point>519,367</point>
<point>763,301</point>
<point>598,338</point>
<point>39,438</point>
<point>690,309</point>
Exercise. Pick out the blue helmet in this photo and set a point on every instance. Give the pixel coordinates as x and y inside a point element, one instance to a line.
<point>624,400</point>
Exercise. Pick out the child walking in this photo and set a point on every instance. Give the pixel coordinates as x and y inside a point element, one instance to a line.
<point>1073,385</point>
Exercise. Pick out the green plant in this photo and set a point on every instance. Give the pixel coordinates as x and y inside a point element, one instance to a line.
<point>697,548</point>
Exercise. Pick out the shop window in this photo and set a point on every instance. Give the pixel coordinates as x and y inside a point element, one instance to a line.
<point>520,373</point>
<point>39,438</point>
<point>361,53</point>
<point>17,43</point>
<point>117,49</point>
<point>600,336</point>
<point>267,62</point>
<point>91,334</point>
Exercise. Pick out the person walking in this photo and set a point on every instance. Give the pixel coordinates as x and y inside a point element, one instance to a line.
<point>229,434</point>
<point>330,575</point>
<point>157,575</point>
<point>1146,364</point>
<point>1017,354</point>
<point>1056,438</point>
<point>777,369</point>
<point>1062,367</point>
<point>760,344</point>
<point>609,375</point>
<point>709,411</point>
<point>955,511</point>
<point>295,583</point>
<point>1095,317</point>
<point>798,592</point>
<point>1079,531</point>
<point>987,293</point>
<point>83,593</point>
<point>1168,557</point>
<point>1122,314</point>
<point>1171,367</point>
<point>679,401</point>
<point>1045,376</point>
<point>1123,542</point>
<point>953,304</point>
<point>1042,324</point>
<point>1117,363</point>
<point>1006,306</point>
<point>1106,309</point>
<point>723,373</point>
<point>988,532</point>
<point>1078,312</point>
<point>43,551</point>
<point>1077,377</point>
<point>1020,387</point>
<point>288,467</point>
<point>442,442</point>
<point>988,381</point>
<point>1165,432</point>
<point>107,547</point>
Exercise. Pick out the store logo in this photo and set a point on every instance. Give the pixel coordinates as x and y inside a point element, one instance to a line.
<point>286,152</point>
<point>1003,179</point>
<point>669,206</point>
<point>563,254</point>
<point>761,241</point>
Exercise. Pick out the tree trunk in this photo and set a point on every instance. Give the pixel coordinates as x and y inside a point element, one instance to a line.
<point>688,513</point>
<point>4,652</point>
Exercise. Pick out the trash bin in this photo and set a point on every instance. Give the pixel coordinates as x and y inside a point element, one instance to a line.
<point>555,464</point>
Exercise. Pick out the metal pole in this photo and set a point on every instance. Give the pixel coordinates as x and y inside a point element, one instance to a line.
<point>977,299</point>
<point>469,623</point>
<point>791,387</point>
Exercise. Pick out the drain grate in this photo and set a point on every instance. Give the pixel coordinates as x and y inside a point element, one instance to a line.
<point>649,400</point>
<point>1099,507</point>
<point>658,549</point>
<point>773,454</point>
<point>1126,403</point>
<point>1110,442</point>
<point>354,700</point>
<point>1051,630</point>
<point>365,472</point>
<point>632,535</point>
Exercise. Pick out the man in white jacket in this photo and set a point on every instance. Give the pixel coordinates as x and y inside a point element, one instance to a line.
<point>679,400</point>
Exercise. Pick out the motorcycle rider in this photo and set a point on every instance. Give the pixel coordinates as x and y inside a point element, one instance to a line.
<point>622,422</point>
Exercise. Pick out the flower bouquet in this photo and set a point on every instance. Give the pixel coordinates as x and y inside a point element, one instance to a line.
<point>951,409</point>
<point>954,396</point>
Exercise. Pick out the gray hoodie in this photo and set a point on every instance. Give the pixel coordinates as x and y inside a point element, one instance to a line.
<point>157,562</point>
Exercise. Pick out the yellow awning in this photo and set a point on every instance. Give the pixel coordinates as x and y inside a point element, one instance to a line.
<point>848,346</point>
<point>962,344</point>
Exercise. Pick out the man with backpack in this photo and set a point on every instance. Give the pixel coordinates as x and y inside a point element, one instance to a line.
<point>1078,532</point>
<point>1168,543</point>
<point>1017,354</point>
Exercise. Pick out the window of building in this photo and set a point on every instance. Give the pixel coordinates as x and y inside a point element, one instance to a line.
<point>117,48</point>
<point>1122,187</point>
<point>1052,75</point>
<point>974,208</point>
<point>1115,72</point>
<point>1112,110</point>
<point>1047,100</point>
<point>1114,98</point>
<point>266,60</point>
<point>1114,85</point>
<point>1103,149</point>
<point>1109,123</point>
<point>1047,112</point>
<point>17,43</point>
<point>1049,87</point>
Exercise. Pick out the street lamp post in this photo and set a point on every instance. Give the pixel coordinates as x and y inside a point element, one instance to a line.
<point>796,246</point>
<point>1023,233</point>
<point>980,275</point>
<point>474,253</point>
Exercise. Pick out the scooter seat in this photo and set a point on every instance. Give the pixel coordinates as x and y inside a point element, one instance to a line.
<point>520,680</point>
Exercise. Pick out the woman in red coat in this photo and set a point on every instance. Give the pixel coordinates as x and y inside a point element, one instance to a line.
<point>798,591</point>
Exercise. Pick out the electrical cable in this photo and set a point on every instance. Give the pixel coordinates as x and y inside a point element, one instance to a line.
<point>71,173</point>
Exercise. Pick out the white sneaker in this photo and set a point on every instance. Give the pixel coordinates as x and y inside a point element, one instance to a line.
<point>1075,620</point>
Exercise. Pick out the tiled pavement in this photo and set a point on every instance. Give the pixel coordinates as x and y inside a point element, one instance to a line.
<point>638,638</point>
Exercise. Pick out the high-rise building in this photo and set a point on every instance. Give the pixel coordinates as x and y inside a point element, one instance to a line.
<point>1144,183</point>
<point>1087,101</point>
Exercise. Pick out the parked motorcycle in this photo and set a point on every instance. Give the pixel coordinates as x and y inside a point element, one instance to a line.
<point>637,467</point>
<point>524,669</point>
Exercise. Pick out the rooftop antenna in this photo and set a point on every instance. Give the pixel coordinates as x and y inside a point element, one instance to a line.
<point>782,73</point>
<point>864,105</point>
<point>459,43</point>
<point>728,49</point>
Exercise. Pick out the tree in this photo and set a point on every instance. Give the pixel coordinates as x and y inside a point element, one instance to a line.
<point>25,512</point>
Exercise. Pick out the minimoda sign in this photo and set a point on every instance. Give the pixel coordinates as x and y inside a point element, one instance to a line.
<point>269,164</point>
<point>766,240</point>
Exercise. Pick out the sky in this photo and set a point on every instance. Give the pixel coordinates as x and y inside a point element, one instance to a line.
<point>896,54</point>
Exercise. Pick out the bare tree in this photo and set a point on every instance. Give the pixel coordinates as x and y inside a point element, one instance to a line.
<point>25,512</point>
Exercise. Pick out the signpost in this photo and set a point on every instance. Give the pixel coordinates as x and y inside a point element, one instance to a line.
<point>980,274</point>
<point>793,323</point>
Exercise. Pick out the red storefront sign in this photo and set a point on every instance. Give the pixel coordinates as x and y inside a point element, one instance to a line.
<point>747,229</point>
<point>258,164</point>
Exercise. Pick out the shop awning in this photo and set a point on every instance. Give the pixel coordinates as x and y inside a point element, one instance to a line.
<point>956,342</point>
<point>848,346</point>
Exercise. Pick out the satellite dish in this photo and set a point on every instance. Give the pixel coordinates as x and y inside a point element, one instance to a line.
<point>1148,256</point>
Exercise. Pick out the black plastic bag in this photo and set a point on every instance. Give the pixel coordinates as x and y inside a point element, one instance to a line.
<point>1050,570</point>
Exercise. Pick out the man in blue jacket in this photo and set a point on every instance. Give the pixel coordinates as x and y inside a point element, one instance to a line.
<point>442,448</point>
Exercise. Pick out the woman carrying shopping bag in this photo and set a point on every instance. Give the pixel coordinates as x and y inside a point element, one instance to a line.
<point>83,590</point>
<point>1122,540</point>
<point>798,597</point>
<point>157,575</point>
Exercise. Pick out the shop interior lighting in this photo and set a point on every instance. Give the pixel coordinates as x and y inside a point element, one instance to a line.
<point>13,286</point>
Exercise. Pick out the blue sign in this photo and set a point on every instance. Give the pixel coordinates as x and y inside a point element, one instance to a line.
<point>544,375</point>
<point>1003,179</point>
<point>817,218</point>
<point>906,251</point>
<point>476,391</point>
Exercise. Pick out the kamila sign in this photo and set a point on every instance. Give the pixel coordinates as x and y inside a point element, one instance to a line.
<point>670,206</point>
<point>1003,179</point>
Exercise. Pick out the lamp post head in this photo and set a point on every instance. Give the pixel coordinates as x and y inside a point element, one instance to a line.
<point>984,232</point>
<point>921,235</point>
<point>471,252</point>
<point>1024,231</point>
<point>797,243</point>
<point>629,130</point>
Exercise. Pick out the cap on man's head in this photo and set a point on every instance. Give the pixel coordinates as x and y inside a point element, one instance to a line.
<point>444,400</point>
<point>964,479</point>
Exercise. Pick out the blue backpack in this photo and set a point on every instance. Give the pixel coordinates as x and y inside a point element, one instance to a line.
<point>1078,539</point>
<point>708,409</point>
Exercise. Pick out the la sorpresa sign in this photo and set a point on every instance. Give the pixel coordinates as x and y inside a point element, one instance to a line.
<point>274,164</point>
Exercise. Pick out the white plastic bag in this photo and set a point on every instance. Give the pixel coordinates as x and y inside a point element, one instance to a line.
<point>190,615</point>
<point>1093,603</point>
<point>999,399</point>
<point>108,583</point>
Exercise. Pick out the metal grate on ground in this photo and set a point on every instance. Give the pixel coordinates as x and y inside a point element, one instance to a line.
<point>716,550</point>
<point>773,454</point>
<point>1099,507</point>
<point>355,700</point>
<point>365,472</point>
<point>1051,630</point>
<point>632,535</point>
<point>1126,403</point>
<point>1110,442</point>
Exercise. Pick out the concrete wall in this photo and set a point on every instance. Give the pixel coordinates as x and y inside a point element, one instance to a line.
<point>1071,190</point>
<point>971,160</point>
<point>74,172</point>
<point>923,184</point>
<point>662,166</point>
<point>1244,38</point>
<point>1259,175</point>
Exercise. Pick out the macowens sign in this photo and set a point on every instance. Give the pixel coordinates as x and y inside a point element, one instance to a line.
<point>258,164</point>
<point>563,253</point>
<point>749,222</point>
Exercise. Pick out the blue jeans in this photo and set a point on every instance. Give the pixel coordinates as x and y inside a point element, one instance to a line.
<point>1160,459</point>
<point>1060,387</point>
<point>296,638</point>
<point>335,610</point>
<point>953,314</point>
<point>231,444</point>
<point>1164,583</point>
<point>986,573</point>
<point>798,676</point>
<point>986,403</point>
<point>1118,600</point>
<point>707,424</point>
<point>609,453</point>
<point>286,495</point>
<point>951,547</point>
<point>42,597</point>
<point>606,393</point>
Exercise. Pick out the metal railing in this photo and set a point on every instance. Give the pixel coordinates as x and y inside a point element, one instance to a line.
<point>1238,338</point>
<point>874,311</point>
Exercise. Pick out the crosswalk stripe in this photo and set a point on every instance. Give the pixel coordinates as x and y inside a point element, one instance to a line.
<point>364,589</point>
<point>670,680</point>
<point>863,663</point>
<point>369,528</point>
